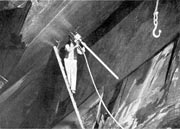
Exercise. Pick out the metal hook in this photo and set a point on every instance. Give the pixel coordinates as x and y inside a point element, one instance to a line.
<point>154,32</point>
<point>155,21</point>
<point>155,25</point>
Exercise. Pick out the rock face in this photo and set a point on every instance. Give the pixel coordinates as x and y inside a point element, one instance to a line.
<point>127,46</point>
<point>36,95</point>
<point>11,47</point>
<point>11,22</point>
<point>149,96</point>
<point>34,82</point>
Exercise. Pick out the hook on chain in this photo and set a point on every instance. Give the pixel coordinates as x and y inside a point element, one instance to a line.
<point>155,26</point>
<point>155,21</point>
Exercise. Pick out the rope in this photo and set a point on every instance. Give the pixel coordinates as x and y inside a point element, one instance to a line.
<point>157,3</point>
<point>99,93</point>
<point>68,87</point>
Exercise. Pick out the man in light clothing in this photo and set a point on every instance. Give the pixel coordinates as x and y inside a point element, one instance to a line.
<point>70,62</point>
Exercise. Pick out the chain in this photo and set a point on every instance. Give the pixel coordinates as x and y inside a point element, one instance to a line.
<point>155,21</point>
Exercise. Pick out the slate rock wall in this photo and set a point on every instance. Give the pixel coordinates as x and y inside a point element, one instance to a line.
<point>150,95</point>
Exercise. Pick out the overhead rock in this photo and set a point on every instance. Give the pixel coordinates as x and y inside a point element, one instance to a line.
<point>37,73</point>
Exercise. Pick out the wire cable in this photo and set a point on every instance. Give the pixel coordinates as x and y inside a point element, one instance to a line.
<point>89,70</point>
